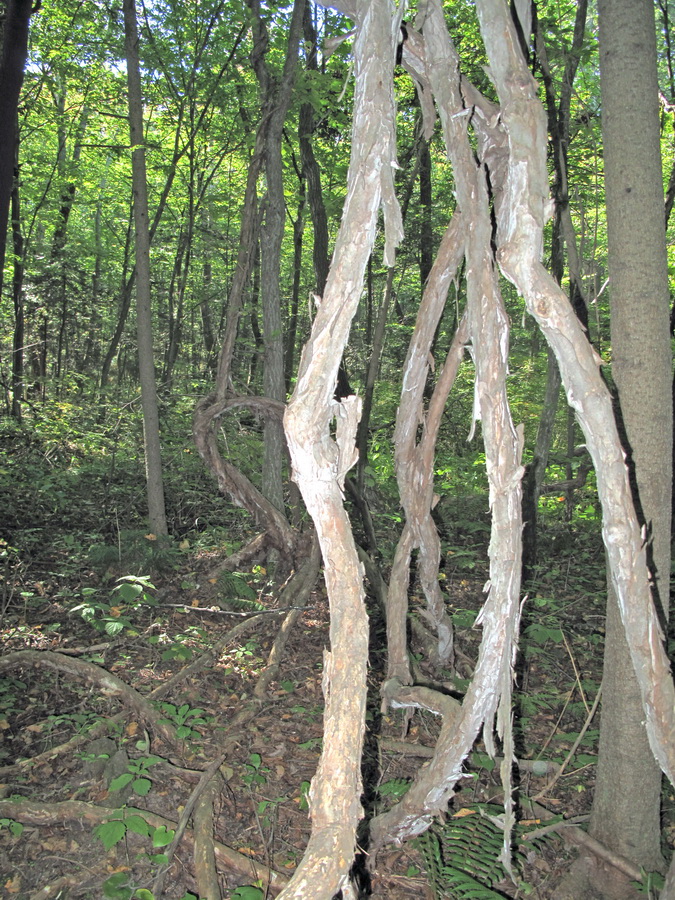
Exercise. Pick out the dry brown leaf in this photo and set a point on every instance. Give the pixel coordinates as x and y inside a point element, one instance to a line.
<point>13,885</point>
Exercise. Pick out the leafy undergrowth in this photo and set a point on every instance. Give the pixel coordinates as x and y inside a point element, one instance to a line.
<point>96,587</point>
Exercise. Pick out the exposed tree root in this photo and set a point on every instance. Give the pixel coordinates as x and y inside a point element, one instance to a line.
<point>29,812</point>
<point>108,683</point>
<point>206,871</point>
<point>205,782</point>
<point>196,666</point>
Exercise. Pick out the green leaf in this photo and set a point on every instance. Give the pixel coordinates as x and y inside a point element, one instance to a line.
<point>151,761</point>
<point>121,781</point>
<point>144,894</point>
<point>138,825</point>
<point>247,892</point>
<point>141,786</point>
<point>128,593</point>
<point>162,836</point>
<point>116,887</point>
<point>110,833</point>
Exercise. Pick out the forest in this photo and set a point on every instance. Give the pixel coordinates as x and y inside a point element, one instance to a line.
<point>336,449</point>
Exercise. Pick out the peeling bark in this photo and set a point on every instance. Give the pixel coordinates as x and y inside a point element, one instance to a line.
<point>521,218</point>
<point>320,462</point>
<point>489,695</point>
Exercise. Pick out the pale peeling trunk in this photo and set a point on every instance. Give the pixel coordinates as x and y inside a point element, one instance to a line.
<point>522,211</point>
<point>415,464</point>
<point>320,462</point>
<point>489,695</point>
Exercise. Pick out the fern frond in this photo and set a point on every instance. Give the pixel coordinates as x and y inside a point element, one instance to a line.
<point>232,585</point>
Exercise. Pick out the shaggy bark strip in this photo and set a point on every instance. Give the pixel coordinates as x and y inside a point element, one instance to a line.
<point>414,462</point>
<point>489,695</point>
<point>320,462</point>
<point>521,218</point>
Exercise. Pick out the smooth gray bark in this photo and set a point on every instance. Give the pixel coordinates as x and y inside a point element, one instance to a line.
<point>629,821</point>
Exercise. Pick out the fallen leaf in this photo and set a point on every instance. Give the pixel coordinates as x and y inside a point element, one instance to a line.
<point>13,885</point>
<point>465,811</point>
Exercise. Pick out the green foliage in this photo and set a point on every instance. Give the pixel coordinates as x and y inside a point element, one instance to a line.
<point>185,719</point>
<point>114,830</point>
<point>120,887</point>
<point>247,892</point>
<point>136,548</point>
<point>461,856</point>
<point>236,593</point>
<point>396,788</point>
<point>136,776</point>
<point>651,883</point>
<point>110,833</point>
<point>303,803</point>
<point>255,773</point>
<point>131,594</point>
<point>15,828</point>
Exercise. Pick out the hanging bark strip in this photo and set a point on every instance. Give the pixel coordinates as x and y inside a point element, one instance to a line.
<point>520,220</point>
<point>489,694</point>
<point>415,463</point>
<point>320,462</point>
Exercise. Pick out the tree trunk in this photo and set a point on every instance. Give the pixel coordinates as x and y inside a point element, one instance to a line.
<point>320,462</point>
<point>629,821</point>
<point>19,310</point>
<point>276,99</point>
<point>12,64</point>
<point>146,364</point>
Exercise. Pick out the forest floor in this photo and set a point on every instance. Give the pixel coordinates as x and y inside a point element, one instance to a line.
<point>259,808</point>
<point>97,774</point>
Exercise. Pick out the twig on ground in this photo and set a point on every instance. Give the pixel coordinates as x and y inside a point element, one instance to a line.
<point>158,886</point>
<point>575,745</point>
